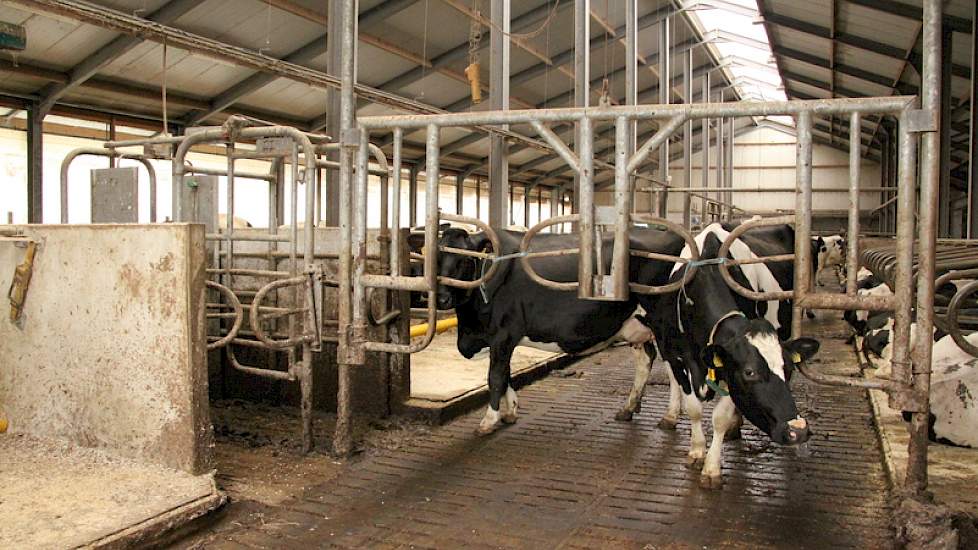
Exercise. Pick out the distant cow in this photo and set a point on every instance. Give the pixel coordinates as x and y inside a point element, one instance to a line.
<point>222,222</point>
<point>831,255</point>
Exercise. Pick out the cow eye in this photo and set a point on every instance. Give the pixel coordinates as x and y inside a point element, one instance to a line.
<point>750,373</point>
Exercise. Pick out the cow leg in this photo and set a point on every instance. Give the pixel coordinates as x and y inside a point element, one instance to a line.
<point>697,448</point>
<point>734,433</point>
<point>643,365</point>
<point>724,418</point>
<point>499,358</point>
<point>671,418</point>
<point>509,404</point>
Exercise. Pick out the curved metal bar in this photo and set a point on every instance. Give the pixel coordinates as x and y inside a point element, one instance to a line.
<point>525,245</point>
<point>110,153</point>
<point>429,334</point>
<point>725,269</point>
<point>953,310</point>
<point>493,238</point>
<point>238,315</point>
<point>257,371</point>
<point>255,314</point>
<point>694,256</point>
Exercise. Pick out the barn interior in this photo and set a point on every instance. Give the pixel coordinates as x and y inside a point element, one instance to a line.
<point>219,235</point>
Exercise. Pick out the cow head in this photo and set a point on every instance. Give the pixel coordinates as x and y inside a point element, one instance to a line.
<point>456,266</point>
<point>757,367</point>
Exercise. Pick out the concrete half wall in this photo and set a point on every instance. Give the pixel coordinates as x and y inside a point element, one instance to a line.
<point>110,351</point>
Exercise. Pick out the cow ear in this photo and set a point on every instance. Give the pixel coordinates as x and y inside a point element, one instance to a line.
<point>415,241</point>
<point>444,226</point>
<point>714,357</point>
<point>481,242</point>
<point>801,349</point>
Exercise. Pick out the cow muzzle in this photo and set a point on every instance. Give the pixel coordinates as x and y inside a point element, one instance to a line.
<point>796,431</point>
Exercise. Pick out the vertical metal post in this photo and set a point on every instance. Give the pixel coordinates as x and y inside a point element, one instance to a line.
<point>855,161</point>
<point>585,272</point>
<point>931,89</point>
<point>413,195</point>
<point>35,165</point>
<point>705,152</point>
<point>687,139</point>
<point>350,350</point>
<point>720,159</point>
<point>334,67</point>
<point>459,192</point>
<point>478,197</point>
<point>539,203</point>
<point>623,197</point>
<point>396,203</point>
<point>526,204</point>
<point>665,97</point>
<point>555,201</point>
<point>973,139</point>
<point>432,218</point>
<point>631,77</point>
<point>499,100</point>
<point>884,179</point>
<point>803,219</point>
<point>944,197</point>
<point>729,165</point>
<point>582,78</point>
<point>905,234</point>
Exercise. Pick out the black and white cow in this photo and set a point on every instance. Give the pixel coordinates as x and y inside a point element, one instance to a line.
<point>513,310</point>
<point>831,255</point>
<point>954,384</point>
<point>715,342</point>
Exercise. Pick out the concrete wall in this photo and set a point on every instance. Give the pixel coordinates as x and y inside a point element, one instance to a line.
<point>765,157</point>
<point>110,351</point>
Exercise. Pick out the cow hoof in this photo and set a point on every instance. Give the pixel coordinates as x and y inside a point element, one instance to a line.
<point>509,418</point>
<point>694,461</point>
<point>638,407</point>
<point>486,429</point>
<point>666,423</point>
<point>711,481</point>
<point>624,415</point>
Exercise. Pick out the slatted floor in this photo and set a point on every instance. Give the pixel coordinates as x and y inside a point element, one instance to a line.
<point>568,475</point>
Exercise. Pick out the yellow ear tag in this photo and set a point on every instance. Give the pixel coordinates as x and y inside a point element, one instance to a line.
<point>711,375</point>
<point>796,357</point>
<point>717,362</point>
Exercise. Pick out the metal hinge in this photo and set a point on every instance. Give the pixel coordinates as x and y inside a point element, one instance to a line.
<point>17,293</point>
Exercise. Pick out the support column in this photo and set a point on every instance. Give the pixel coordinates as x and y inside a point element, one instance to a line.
<point>665,97</point>
<point>687,139</point>
<point>499,100</point>
<point>527,189</point>
<point>944,196</point>
<point>478,197</point>
<point>35,164</point>
<point>973,142</point>
<point>459,192</point>
<point>554,207</point>
<point>582,76</point>
<point>334,59</point>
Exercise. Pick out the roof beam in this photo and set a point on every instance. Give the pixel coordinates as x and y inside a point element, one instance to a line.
<point>90,66</point>
<point>842,68</point>
<point>907,11</point>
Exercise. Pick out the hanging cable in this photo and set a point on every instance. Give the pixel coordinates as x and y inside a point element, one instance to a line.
<point>424,52</point>
<point>472,71</point>
<point>532,34</point>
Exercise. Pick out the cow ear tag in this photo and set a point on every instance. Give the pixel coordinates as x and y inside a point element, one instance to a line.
<point>717,362</point>
<point>796,358</point>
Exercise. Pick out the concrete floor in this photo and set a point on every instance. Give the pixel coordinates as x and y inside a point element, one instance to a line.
<point>568,475</point>
<point>440,374</point>
<point>58,495</point>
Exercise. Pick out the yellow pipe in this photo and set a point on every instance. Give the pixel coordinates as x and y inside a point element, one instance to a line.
<point>440,326</point>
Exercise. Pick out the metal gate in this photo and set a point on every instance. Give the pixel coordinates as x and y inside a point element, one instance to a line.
<point>908,389</point>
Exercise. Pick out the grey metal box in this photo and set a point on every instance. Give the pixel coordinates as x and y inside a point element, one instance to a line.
<point>196,201</point>
<point>115,195</point>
